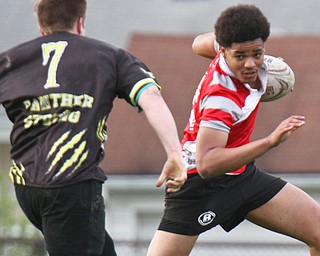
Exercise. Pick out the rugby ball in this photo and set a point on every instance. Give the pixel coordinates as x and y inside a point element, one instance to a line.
<point>280,80</point>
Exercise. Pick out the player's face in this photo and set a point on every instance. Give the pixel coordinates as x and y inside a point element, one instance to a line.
<point>245,60</point>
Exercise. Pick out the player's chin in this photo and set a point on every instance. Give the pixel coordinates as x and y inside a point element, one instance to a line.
<point>248,77</point>
<point>250,81</point>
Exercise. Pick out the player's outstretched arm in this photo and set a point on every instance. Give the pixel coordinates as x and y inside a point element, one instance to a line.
<point>162,121</point>
<point>214,159</point>
<point>203,45</point>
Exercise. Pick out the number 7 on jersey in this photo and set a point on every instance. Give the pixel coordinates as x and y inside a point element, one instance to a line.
<point>58,49</point>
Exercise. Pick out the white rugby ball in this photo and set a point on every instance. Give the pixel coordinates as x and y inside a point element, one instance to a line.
<point>280,80</point>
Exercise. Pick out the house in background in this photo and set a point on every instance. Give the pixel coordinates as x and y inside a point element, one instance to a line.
<point>136,149</point>
<point>161,33</point>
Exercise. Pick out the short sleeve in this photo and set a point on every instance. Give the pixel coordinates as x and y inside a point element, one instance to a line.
<point>133,77</point>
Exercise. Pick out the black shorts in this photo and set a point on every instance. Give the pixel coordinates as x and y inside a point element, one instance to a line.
<point>225,200</point>
<point>72,219</point>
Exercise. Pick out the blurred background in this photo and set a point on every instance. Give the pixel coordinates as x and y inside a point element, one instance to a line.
<point>161,33</point>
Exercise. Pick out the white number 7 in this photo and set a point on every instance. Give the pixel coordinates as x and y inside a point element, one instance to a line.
<point>58,49</point>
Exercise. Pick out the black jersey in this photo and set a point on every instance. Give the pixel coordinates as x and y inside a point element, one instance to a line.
<point>58,91</point>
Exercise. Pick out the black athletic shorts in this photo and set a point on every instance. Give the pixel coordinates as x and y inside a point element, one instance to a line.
<point>201,204</point>
<point>72,218</point>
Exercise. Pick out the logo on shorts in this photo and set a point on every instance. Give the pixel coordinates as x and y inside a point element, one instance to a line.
<point>206,218</point>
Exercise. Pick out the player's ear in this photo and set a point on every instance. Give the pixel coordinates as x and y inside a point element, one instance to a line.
<point>42,32</point>
<point>80,26</point>
<point>223,51</point>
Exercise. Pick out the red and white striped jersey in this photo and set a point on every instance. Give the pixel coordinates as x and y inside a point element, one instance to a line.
<point>222,102</point>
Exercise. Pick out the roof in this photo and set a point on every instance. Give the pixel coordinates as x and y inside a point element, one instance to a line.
<point>133,147</point>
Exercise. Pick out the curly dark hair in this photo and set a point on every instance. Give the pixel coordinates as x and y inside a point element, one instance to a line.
<point>241,23</point>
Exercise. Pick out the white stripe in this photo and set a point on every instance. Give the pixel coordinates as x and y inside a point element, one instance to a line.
<point>219,125</point>
<point>222,103</point>
<point>223,80</point>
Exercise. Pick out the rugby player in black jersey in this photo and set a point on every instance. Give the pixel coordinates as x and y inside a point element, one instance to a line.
<point>58,91</point>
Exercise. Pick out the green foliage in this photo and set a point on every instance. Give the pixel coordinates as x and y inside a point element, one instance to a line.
<point>17,235</point>
<point>22,248</point>
<point>13,222</point>
<point>7,219</point>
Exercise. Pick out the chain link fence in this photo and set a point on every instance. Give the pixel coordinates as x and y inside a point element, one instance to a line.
<point>35,247</point>
<point>139,248</point>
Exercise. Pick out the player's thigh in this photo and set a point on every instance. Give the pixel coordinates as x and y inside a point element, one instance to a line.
<point>292,212</point>
<point>168,244</point>
<point>74,223</point>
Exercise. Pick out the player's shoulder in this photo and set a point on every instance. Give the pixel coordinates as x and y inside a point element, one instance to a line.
<point>19,55</point>
<point>104,48</point>
<point>97,43</point>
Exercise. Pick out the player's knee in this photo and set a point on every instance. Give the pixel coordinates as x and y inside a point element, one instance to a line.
<point>314,233</point>
<point>316,241</point>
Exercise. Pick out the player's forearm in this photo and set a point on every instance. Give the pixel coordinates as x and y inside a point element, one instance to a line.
<point>219,161</point>
<point>203,45</point>
<point>164,125</point>
<point>161,120</point>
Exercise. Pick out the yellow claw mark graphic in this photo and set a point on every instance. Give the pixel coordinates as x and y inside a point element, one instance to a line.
<point>101,133</point>
<point>65,148</point>
<point>16,174</point>
<point>82,159</point>
<point>78,151</point>
<point>57,143</point>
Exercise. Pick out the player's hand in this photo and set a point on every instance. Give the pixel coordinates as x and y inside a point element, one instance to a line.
<point>174,173</point>
<point>285,129</point>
